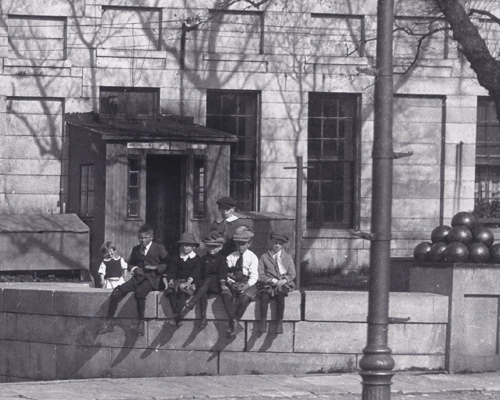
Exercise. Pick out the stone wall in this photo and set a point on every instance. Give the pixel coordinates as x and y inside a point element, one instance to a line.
<point>49,331</point>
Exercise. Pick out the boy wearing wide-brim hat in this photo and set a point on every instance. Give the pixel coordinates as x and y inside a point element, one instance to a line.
<point>227,223</point>
<point>214,276</point>
<point>183,277</point>
<point>243,271</point>
<point>276,279</point>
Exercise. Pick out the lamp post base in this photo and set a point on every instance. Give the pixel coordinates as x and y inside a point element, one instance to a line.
<point>376,385</point>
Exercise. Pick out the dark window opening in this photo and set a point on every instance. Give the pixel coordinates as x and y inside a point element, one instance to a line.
<point>133,203</point>
<point>235,112</point>
<point>199,186</point>
<point>87,190</point>
<point>332,157</point>
<point>129,103</point>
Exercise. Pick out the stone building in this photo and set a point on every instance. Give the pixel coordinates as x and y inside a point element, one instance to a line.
<point>164,88</point>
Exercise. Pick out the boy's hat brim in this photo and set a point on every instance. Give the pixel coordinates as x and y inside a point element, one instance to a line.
<point>243,234</point>
<point>188,238</point>
<point>279,236</point>
<point>226,201</point>
<point>213,238</point>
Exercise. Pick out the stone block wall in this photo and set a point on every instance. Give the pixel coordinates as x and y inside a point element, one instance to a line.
<point>49,331</point>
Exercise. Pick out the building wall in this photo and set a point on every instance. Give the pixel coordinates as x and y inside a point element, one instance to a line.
<point>435,104</point>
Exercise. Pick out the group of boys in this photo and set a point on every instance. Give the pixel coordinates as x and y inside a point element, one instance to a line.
<point>229,269</point>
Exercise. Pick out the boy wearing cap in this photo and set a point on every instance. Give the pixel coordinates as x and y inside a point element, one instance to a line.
<point>276,279</point>
<point>183,277</point>
<point>214,276</point>
<point>147,263</point>
<point>227,224</point>
<point>243,271</point>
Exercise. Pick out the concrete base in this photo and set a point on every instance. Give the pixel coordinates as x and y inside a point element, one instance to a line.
<point>49,331</point>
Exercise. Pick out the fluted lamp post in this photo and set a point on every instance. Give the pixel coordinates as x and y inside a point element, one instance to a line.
<point>377,364</point>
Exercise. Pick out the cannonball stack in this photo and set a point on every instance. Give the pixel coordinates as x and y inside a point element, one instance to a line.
<point>463,241</point>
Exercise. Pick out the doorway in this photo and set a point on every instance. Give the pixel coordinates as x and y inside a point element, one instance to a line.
<point>165,208</point>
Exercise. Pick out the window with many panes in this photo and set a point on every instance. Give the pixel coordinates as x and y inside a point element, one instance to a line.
<point>235,112</point>
<point>133,203</point>
<point>87,190</point>
<point>487,190</point>
<point>129,103</point>
<point>332,127</point>
<point>199,187</point>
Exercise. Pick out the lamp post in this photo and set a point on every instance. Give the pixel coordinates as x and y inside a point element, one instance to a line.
<point>377,364</point>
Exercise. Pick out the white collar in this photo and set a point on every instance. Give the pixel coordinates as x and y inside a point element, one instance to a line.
<point>186,256</point>
<point>230,219</point>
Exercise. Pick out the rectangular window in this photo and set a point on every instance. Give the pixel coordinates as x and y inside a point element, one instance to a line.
<point>129,103</point>
<point>420,36</point>
<point>87,191</point>
<point>337,35</point>
<point>37,38</point>
<point>133,203</point>
<point>237,32</point>
<point>332,127</point>
<point>199,187</point>
<point>235,112</point>
<point>487,190</point>
<point>130,28</point>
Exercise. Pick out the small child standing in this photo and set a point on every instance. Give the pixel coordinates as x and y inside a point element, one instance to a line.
<point>113,268</point>
<point>183,277</point>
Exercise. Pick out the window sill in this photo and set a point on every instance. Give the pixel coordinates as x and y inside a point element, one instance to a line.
<point>328,233</point>
<point>133,219</point>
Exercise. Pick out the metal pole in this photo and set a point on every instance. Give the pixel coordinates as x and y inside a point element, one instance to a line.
<point>377,363</point>
<point>298,220</point>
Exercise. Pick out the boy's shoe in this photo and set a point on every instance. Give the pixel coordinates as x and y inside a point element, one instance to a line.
<point>279,327</point>
<point>230,326</point>
<point>263,326</point>
<point>176,321</point>
<point>107,327</point>
<point>141,328</point>
<point>237,329</point>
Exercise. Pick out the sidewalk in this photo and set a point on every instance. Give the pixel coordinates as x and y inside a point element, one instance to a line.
<point>242,387</point>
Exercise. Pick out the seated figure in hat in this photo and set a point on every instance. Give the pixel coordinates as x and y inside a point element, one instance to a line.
<point>243,271</point>
<point>276,279</point>
<point>214,277</point>
<point>227,224</point>
<point>183,277</point>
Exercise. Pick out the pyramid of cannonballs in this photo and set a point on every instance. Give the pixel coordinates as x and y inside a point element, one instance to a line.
<point>463,241</point>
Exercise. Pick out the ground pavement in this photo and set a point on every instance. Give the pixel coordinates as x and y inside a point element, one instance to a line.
<point>405,386</point>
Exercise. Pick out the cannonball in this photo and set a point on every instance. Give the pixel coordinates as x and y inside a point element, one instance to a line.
<point>483,235</point>
<point>436,252</point>
<point>459,233</point>
<point>439,233</point>
<point>478,253</point>
<point>455,252</point>
<point>421,251</point>
<point>464,218</point>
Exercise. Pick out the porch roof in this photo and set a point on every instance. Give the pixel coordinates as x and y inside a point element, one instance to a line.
<point>164,128</point>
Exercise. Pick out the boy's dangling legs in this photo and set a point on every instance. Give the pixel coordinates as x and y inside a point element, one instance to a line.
<point>265,299</point>
<point>116,296</point>
<point>280,311</point>
<point>242,303</point>
<point>228,300</point>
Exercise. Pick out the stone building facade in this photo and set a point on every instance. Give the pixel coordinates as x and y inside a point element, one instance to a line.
<point>289,79</point>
